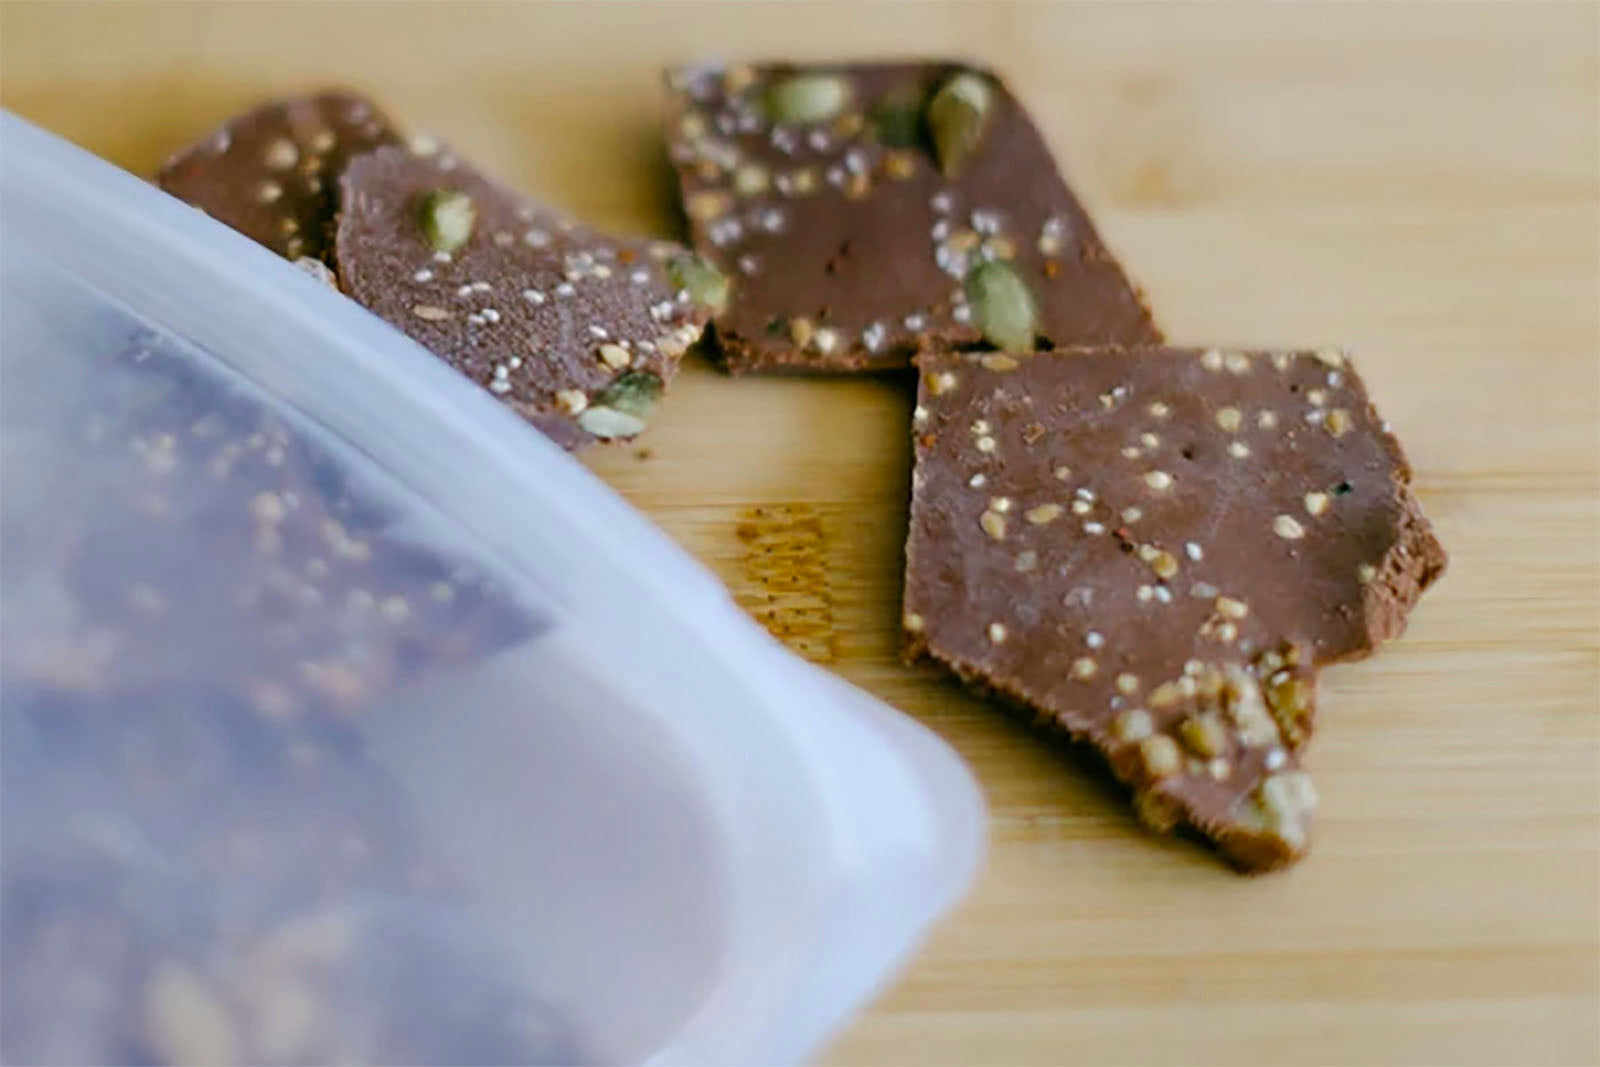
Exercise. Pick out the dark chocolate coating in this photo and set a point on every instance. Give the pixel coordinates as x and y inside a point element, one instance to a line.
<point>826,223</point>
<point>541,311</point>
<point>1089,528</point>
<point>272,173</point>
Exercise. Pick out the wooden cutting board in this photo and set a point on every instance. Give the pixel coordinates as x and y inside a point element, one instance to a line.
<point>1421,182</point>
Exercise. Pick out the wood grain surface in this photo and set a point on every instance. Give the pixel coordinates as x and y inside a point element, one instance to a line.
<point>1421,182</point>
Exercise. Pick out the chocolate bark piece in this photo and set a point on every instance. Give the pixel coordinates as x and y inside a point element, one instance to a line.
<point>575,329</point>
<point>312,597</point>
<point>1153,550</point>
<point>849,203</point>
<point>272,173</point>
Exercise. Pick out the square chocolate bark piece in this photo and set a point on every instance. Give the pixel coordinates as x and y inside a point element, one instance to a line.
<point>1153,550</point>
<point>850,204</point>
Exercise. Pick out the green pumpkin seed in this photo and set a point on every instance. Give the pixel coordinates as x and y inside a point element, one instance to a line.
<point>706,285</point>
<point>634,393</point>
<point>447,217</point>
<point>956,116</point>
<point>1002,306</point>
<point>808,98</point>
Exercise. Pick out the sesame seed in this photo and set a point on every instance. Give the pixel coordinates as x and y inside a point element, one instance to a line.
<point>1211,359</point>
<point>1331,356</point>
<point>1002,504</point>
<point>1062,473</point>
<point>1338,421</point>
<point>997,633</point>
<point>1026,560</point>
<point>1094,639</point>
<point>1165,565</point>
<point>1365,573</point>
<point>1132,725</point>
<point>913,622</point>
<point>572,401</point>
<point>984,444</point>
<point>1044,513</point>
<point>1163,594</point>
<point>1229,608</point>
<point>1144,593</point>
<point>500,386</point>
<point>565,289</point>
<point>1237,362</point>
<point>1149,440</point>
<point>464,290</point>
<point>1287,528</point>
<point>1317,397</point>
<point>1158,480</point>
<point>1094,529</point>
<point>1081,507</point>
<point>1193,551</point>
<point>1229,419</point>
<point>1275,759</point>
<point>1127,684</point>
<point>1085,493</point>
<point>281,154</point>
<point>429,313</point>
<point>993,524</point>
<point>490,315</point>
<point>423,275</point>
<point>269,192</point>
<point>1238,449</point>
<point>978,481</point>
<point>1266,420</point>
<point>1316,503</point>
<point>1084,668</point>
<point>1131,453</point>
<point>614,356</point>
<point>941,383</point>
<point>1159,410</point>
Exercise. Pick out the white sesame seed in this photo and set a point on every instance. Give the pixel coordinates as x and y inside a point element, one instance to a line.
<point>1193,551</point>
<point>1211,359</point>
<point>1085,493</point>
<point>1081,507</point>
<point>1062,473</point>
<point>1158,480</point>
<point>1316,503</point>
<point>533,296</point>
<point>1132,514</point>
<point>423,275</point>
<point>1163,594</point>
<point>997,633</point>
<point>1287,528</point>
<point>1144,593</point>
<point>1094,529</point>
<point>1266,420</point>
<point>598,331</point>
<point>1275,759</point>
<point>500,386</point>
<point>565,289</point>
<point>1238,449</point>
<point>1229,419</point>
<point>1159,410</point>
<point>1084,668</point>
<point>1094,639</point>
<point>1237,362</point>
<point>977,481</point>
<point>984,444</point>
<point>464,290</point>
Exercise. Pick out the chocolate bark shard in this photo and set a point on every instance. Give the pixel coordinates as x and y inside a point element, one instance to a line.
<point>848,204</point>
<point>557,319</point>
<point>1153,550</point>
<point>272,173</point>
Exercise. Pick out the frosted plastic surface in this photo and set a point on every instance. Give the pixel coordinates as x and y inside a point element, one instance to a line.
<point>343,719</point>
